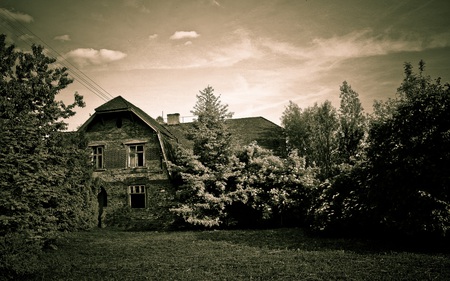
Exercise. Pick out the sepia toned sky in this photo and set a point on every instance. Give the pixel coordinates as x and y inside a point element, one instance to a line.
<point>257,54</point>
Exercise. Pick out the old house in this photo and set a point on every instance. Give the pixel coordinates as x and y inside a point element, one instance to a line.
<point>130,151</point>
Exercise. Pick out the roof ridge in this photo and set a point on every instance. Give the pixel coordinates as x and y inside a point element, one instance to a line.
<point>116,103</point>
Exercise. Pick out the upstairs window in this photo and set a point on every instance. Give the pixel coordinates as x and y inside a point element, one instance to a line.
<point>98,157</point>
<point>136,196</point>
<point>136,156</point>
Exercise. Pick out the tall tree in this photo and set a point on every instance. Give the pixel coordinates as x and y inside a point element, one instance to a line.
<point>409,154</point>
<point>212,140</point>
<point>43,174</point>
<point>296,128</point>
<point>351,123</point>
<point>312,132</point>
<point>206,177</point>
<point>324,137</point>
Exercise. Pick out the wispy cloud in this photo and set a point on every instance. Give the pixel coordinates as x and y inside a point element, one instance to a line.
<point>153,36</point>
<point>89,56</point>
<point>215,3</point>
<point>64,37</point>
<point>231,54</point>
<point>184,34</point>
<point>439,40</point>
<point>362,43</point>
<point>138,4</point>
<point>16,16</point>
<point>304,66</point>
<point>297,61</point>
<point>26,37</point>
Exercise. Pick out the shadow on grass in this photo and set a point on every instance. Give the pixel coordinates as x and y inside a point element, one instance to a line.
<point>298,239</point>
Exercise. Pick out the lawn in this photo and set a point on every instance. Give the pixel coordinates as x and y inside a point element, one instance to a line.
<point>281,254</point>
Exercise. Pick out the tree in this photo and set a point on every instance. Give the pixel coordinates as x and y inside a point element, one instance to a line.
<point>274,190</point>
<point>212,140</point>
<point>351,124</point>
<point>312,132</point>
<point>44,174</point>
<point>324,137</point>
<point>206,176</point>
<point>409,156</point>
<point>295,124</point>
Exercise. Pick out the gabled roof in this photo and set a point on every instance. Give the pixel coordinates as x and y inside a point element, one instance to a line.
<point>116,104</point>
<point>119,104</point>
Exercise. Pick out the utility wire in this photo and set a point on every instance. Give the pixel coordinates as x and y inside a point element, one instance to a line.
<point>77,73</point>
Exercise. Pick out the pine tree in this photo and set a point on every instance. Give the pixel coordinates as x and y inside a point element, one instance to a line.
<point>206,175</point>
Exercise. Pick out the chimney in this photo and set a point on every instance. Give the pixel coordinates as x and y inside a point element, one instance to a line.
<point>173,119</point>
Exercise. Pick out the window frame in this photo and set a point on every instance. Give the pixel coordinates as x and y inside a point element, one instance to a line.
<point>140,190</point>
<point>133,155</point>
<point>95,157</point>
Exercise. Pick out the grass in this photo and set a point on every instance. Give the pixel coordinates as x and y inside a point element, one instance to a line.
<point>281,254</point>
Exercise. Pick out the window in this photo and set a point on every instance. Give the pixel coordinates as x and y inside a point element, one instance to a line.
<point>97,157</point>
<point>136,195</point>
<point>136,156</point>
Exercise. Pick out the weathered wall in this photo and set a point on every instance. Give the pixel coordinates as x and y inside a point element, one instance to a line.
<point>112,131</point>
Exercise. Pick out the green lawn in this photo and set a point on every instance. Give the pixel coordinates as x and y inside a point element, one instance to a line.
<point>282,254</point>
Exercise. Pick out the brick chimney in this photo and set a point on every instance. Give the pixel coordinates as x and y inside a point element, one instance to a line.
<point>173,119</point>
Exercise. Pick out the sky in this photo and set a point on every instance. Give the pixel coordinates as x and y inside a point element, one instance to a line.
<point>257,54</point>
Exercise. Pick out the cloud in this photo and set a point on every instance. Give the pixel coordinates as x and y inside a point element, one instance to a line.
<point>188,43</point>
<point>89,56</point>
<point>153,36</point>
<point>26,37</point>
<point>357,44</point>
<point>215,3</point>
<point>64,37</point>
<point>233,54</point>
<point>184,34</point>
<point>363,44</point>
<point>136,4</point>
<point>16,16</point>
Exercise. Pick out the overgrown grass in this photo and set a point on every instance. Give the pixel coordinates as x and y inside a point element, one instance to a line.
<point>282,254</point>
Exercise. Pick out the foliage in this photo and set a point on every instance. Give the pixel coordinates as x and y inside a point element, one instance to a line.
<point>212,140</point>
<point>205,176</point>
<point>313,133</point>
<point>296,128</point>
<point>351,125</point>
<point>274,189</point>
<point>409,153</point>
<point>44,173</point>
<point>339,206</point>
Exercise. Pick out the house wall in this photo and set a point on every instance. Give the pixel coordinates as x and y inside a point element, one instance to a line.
<point>113,132</point>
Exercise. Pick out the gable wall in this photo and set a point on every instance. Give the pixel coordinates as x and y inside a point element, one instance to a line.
<point>113,131</point>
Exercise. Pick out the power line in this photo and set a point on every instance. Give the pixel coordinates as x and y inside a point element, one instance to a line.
<point>73,70</point>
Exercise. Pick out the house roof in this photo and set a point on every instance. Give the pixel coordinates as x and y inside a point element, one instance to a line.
<point>258,129</point>
<point>245,130</point>
<point>119,104</point>
<point>116,104</point>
